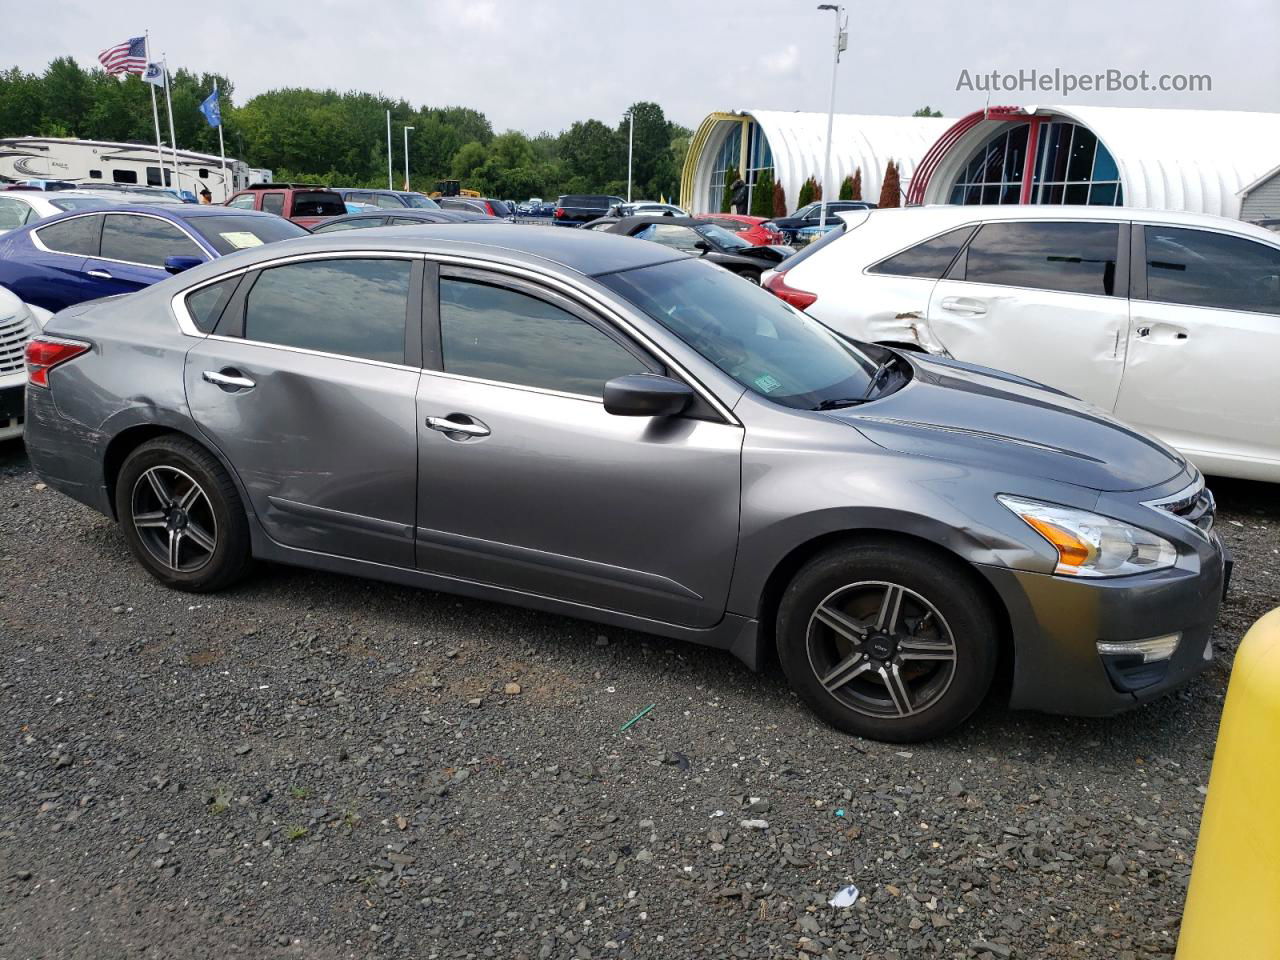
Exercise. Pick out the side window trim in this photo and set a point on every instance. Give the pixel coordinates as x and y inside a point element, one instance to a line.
<point>555,299</point>
<point>97,244</point>
<point>945,273</point>
<point>227,307</point>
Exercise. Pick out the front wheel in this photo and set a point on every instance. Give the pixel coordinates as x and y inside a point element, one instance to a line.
<point>181,515</point>
<point>887,641</point>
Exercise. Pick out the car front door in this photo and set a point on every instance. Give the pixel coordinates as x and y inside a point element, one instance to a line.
<point>540,489</point>
<point>1047,300</point>
<point>308,389</point>
<point>1203,347</point>
<point>133,251</point>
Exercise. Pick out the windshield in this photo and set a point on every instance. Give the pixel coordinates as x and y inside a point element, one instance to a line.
<point>722,237</point>
<point>419,202</point>
<point>764,344</point>
<point>233,232</point>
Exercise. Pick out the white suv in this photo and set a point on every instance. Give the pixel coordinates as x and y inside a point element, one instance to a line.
<point>19,322</point>
<point>1169,320</point>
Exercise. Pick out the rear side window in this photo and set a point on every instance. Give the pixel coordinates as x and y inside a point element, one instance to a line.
<point>670,235</point>
<point>13,213</point>
<point>929,259</point>
<point>356,308</point>
<point>207,303</point>
<point>1071,257</point>
<point>387,201</point>
<point>145,240</point>
<point>499,334</point>
<point>1203,269</point>
<point>79,236</point>
<point>274,203</point>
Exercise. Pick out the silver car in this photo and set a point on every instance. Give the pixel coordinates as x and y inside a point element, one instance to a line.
<point>584,424</point>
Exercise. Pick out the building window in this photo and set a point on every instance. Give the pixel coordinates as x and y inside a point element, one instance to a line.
<point>1071,166</point>
<point>725,169</point>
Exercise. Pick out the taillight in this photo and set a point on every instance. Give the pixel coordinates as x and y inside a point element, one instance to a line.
<point>778,286</point>
<point>559,212</point>
<point>45,353</point>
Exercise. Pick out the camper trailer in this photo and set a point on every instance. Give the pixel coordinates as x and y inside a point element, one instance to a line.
<point>126,164</point>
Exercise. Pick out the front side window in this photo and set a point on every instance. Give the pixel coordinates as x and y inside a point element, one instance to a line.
<point>1070,257</point>
<point>419,201</point>
<point>722,238</point>
<point>929,259</point>
<point>242,203</point>
<point>495,333</point>
<point>1203,269</point>
<point>145,240</point>
<point>387,201</point>
<point>761,342</point>
<point>78,236</point>
<point>355,308</point>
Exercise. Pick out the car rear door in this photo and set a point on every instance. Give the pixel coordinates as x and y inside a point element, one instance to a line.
<point>1204,344</point>
<point>47,266</point>
<point>308,389</point>
<point>540,489</point>
<point>133,250</point>
<point>1045,299</point>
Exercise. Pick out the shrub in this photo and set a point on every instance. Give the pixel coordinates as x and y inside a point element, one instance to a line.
<point>779,200</point>
<point>846,188</point>
<point>762,195</point>
<point>857,185</point>
<point>890,192</point>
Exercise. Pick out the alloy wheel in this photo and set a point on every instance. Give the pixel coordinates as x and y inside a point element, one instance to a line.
<point>881,649</point>
<point>174,518</point>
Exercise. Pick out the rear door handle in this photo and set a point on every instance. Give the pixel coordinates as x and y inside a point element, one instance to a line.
<point>228,379</point>
<point>964,305</point>
<point>458,429</point>
<point>100,274</point>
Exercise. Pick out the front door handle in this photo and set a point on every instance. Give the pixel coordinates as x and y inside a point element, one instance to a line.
<point>460,429</point>
<point>228,379</point>
<point>964,305</point>
<point>100,274</point>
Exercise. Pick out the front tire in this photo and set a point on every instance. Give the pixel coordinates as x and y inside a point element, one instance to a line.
<point>181,515</point>
<point>887,641</point>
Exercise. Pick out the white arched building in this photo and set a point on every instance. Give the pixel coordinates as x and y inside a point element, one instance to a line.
<point>791,146</point>
<point>1197,161</point>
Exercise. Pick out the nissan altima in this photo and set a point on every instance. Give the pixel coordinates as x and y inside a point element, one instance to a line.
<point>613,430</point>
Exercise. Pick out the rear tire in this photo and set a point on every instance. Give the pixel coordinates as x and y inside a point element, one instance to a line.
<point>182,516</point>
<point>887,641</point>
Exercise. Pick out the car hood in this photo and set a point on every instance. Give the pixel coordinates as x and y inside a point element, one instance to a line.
<point>981,417</point>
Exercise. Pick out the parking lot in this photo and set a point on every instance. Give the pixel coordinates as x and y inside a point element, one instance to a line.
<point>313,765</point>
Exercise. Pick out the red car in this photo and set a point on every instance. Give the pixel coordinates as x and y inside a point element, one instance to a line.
<point>757,231</point>
<point>305,205</point>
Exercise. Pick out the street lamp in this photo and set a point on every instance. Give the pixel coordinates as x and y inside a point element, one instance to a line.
<point>406,157</point>
<point>631,137</point>
<point>842,39</point>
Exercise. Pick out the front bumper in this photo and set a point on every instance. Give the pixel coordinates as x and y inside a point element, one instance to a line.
<point>1057,622</point>
<point>11,409</point>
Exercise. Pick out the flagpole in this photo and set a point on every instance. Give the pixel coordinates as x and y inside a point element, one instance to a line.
<point>155,111</point>
<point>173,139</point>
<point>222,151</point>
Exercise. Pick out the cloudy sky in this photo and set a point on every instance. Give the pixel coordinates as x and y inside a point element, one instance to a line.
<point>541,64</point>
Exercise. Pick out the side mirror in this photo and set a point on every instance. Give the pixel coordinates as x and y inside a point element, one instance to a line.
<point>701,245</point>
<point>646,395</point>
<point>178,264</point>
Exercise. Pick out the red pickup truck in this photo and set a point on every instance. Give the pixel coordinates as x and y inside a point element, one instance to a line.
<point>304,204</point>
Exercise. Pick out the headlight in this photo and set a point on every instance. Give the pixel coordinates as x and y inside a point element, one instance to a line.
<point>1090,545</point>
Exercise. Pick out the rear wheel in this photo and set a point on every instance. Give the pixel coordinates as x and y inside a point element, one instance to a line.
<point>181,515</point>
<point>887,641</point>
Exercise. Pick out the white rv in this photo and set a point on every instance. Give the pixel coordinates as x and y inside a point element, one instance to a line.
<point>131,164</point>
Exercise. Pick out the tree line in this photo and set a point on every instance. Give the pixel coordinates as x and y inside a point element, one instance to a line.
<point>324,136</point>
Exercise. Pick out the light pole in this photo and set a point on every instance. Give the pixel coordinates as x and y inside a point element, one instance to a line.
<point>631,139</point>
<point>406,157</point>
<point>390,186</point>
<point>841,41</point>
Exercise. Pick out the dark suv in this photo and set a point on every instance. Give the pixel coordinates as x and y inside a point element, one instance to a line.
<point>575,209</point>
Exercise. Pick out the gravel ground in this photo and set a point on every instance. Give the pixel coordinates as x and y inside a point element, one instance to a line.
<point>315,766</point>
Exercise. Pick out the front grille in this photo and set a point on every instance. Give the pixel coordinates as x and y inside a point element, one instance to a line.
<point>1194,505</point>
<point>15,331</point>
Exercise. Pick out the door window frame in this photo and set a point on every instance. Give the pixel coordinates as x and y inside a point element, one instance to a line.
<point>151,216</point>
<point>1138,256</point>
<point>1124,261</point>
<point>97,246</point>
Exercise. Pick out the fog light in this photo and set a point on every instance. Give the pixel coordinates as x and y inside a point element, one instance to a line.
<point>1150,650</point>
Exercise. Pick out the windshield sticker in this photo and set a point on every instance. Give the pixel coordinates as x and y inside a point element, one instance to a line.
<point>242,239</point>
<point>766,383</point>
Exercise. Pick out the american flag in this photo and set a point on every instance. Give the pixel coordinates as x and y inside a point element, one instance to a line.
<point>127,57</point>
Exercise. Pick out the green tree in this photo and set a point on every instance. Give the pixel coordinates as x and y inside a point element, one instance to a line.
<point>762,195</point>
<point>926,112</point>
<point>846,188</point>
<point>809,192</point>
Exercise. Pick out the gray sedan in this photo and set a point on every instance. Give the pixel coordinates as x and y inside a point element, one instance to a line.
<point>584,424</point>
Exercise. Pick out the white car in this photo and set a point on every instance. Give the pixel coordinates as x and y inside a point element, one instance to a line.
<point>19,322</point>
<point>20,207</point>
<point>1170,321</point>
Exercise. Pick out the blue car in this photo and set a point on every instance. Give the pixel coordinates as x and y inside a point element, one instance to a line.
<point>87,254</point>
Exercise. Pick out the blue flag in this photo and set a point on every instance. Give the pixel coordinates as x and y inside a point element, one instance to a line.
<point>209,107</point>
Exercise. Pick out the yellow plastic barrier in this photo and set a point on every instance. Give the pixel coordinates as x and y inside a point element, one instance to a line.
<point>1233,903</point>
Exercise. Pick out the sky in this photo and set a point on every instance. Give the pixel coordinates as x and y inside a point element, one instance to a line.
<point>537,65</point>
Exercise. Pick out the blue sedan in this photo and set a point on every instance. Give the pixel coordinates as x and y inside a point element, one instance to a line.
<point>88,254</point>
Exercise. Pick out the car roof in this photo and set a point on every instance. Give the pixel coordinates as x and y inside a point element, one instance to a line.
<point>944,215</point>
<point>413,213</point>
<point>588,252</point>
<point>175,211</point>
